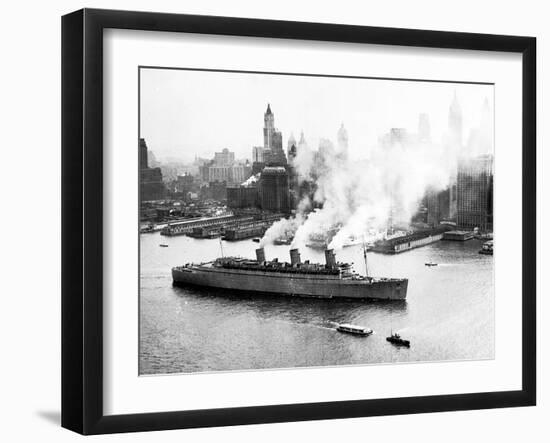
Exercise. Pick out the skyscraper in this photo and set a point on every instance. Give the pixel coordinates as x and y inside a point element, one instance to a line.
<point>269,127</point>
<point>143,163</point>
<point>302,144</point>
<point>151,186</point>
<point>258,154</point>
<point>342,139</point>
<point>274,189</point>
<point>474,192</point>
<point>455,122</point>
<point>455,147</point>
<point>273,141</point>
<point>277,155</point>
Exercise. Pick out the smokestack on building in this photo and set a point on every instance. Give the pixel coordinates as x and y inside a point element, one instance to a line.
<point>330,258</point>
<point>260,255</point>
<point>295,257</point>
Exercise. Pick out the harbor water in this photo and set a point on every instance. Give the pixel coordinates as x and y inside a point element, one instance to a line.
<point>448,313</point>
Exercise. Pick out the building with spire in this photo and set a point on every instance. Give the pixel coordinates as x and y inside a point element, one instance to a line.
<point>269,127</point>
<point>273,141</point>
<point>272,153</point>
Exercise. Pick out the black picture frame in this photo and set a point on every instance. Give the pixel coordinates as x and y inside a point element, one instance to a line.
<point>82,215</point>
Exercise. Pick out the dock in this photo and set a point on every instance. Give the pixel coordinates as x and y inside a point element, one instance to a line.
<point>229,227</point>
<point>187,226</point>
<point>410,241</point>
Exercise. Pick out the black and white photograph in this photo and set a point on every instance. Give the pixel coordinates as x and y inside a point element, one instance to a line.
<point>289,220</point>
<point>248,222</point>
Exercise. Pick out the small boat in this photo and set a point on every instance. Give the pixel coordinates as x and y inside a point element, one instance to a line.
<point>487,248</point>
<point>163,245</point>
<point>396,339</point>
<point>430,263</point>
<point>283,241</point>
<point>151,227</point>
<point>352,329</point>
<point>256,240</point>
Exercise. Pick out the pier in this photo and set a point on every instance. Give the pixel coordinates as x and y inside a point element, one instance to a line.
<point>231,227</point>
<point>410,241</point>
<point>187,226</point>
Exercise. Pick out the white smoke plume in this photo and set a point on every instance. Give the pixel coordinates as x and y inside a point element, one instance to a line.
<point>284,228</point>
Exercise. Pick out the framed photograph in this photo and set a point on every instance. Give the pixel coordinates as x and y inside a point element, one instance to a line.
<point>269,221</point>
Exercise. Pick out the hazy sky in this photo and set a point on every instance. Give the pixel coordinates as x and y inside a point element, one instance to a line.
<point>188,113</point>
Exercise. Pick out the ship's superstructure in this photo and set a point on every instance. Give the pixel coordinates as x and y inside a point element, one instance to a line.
<point>330,280</point>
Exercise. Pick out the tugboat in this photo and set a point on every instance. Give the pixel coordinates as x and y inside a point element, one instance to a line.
<point>352,329</point>
<point>487,248</point>
<point>256,240</point>
<point>430,263</point>
<point>396,339</point>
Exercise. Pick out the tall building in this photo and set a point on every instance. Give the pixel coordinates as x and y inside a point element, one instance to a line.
<point>302,144</point>
<point>151,186</point>
<point>342,139</point>
<point>274,189</point>
<point>438,206</point>
<point>224,168</point>
<point>475,193</point>
<point>455,121</point>
<point>224,158</point>
<point>455,148</point>
<point>269,127</point>
<point>258,154</point>
<point>277,155</point>
<point>273,141</point>
<point>143,163</point>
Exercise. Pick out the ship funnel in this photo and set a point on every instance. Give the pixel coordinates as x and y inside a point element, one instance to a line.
<point>295,257</point>
<point>330,258</point>
<point>260,255</point>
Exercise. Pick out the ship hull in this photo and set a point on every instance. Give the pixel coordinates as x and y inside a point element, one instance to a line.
<point>290,284</point>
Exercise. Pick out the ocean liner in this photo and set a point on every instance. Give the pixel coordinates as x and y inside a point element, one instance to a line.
<point>304,279</point>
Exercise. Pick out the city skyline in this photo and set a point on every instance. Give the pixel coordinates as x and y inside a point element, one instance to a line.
<point>180,108</point>
<point>390,183</point>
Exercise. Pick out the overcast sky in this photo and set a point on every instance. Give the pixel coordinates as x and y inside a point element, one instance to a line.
<point>188,113</point>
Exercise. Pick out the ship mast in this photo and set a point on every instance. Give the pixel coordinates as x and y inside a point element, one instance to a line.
<point>365,257</point>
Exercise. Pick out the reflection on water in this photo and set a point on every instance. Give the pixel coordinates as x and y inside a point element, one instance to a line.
<point>312,312</point>
<point>448,314</point>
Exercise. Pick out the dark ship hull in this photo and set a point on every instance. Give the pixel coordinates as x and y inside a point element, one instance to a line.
<point>289,279</point>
